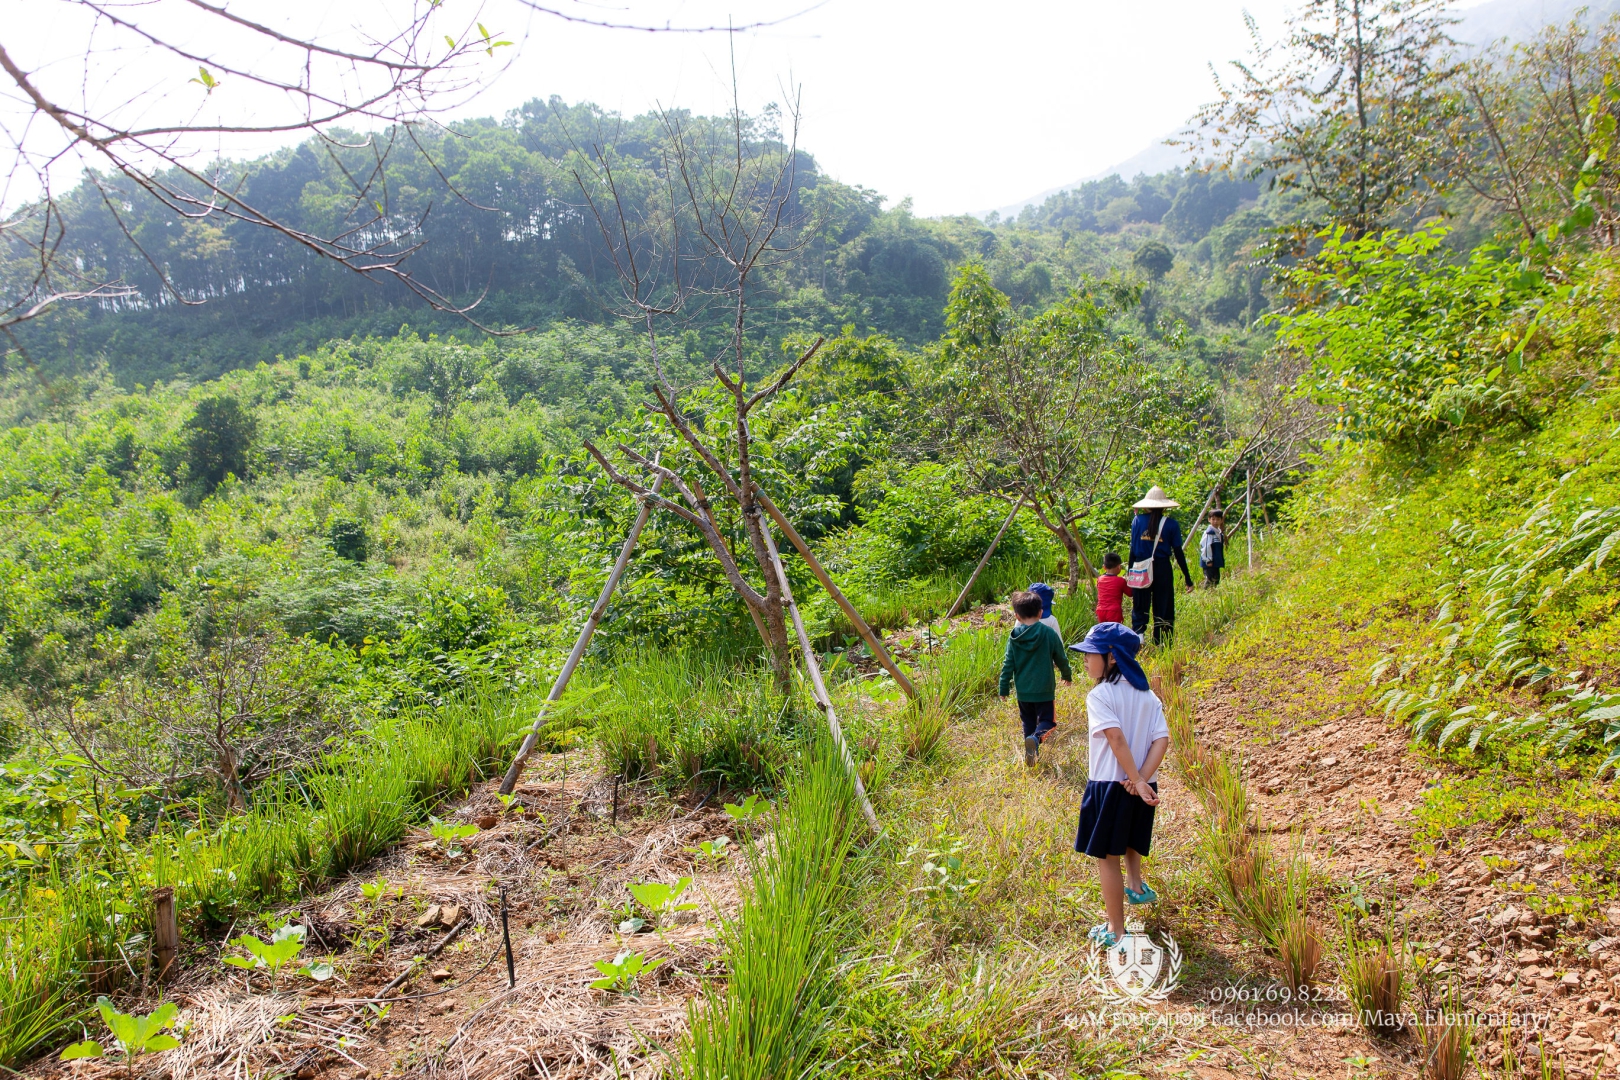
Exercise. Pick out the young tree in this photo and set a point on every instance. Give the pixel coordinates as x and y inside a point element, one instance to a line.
<point>1349,109</point>
<point>1055,408</point>
<point>725,208</point>
<point>1532,132</point>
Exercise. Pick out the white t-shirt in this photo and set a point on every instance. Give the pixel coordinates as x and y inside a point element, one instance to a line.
<point>1136,713</point>
<point>1051,620</point>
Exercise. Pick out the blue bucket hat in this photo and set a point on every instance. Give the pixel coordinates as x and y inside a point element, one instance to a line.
<point>1119,641</point>
<point>1044,591</point>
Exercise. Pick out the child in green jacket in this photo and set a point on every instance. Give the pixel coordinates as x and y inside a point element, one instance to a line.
<point>1032,651</point>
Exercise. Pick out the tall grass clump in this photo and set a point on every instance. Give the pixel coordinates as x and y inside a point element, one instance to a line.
<point>74,927</point>
<point>1374,969</point>
<point>780,996</point>
<point>684,718</point>
<point>1266,892</point>
<point>1448,1039</point>
<point>957,681</point>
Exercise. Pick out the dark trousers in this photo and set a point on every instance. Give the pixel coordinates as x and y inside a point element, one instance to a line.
<point>1039,717</point>
<point>1212,574</point>
<point>1159,601</point>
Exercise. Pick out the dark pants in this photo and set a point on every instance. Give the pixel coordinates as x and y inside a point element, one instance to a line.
<point>1160,600</point>
<point>1039,717</point>
<point>1212,574</point>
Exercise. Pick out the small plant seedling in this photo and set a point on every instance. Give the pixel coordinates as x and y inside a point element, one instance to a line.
<point>713,851</point>
<point>134,1035</point>
<point>620,974</point>
<point>661,899</point>
<point>379,890</point>
<point>942,866</point>
<point>451,836</point>
<point>282,949</point>
<point>752,809</point>
<point>508,802</point>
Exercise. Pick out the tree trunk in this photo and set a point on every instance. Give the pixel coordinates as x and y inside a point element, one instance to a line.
<point>1073,550</point>
<point>235,799</point>
<point>776,639</point>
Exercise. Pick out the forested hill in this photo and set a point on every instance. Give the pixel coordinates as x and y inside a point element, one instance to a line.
<point>500,207</point>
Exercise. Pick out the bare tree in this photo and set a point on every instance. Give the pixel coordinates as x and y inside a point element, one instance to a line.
<point>1533,131</point>
<point>235,711</point>
<point>1274,436</point>
<point>126,114</point>
<point>693,239</point>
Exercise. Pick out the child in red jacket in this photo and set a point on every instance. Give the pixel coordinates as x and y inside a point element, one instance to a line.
<point>1111,590</point>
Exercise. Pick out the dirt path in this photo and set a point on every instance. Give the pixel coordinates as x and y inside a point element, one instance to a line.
<point>1354,789</point>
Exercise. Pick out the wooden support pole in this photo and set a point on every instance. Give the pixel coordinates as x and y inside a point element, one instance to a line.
<point>165,930</point>
<point>510,780</point>
<point>991,550</point>
<point>1248,512</point>
<point>819,687</point>
<point>873,642</point>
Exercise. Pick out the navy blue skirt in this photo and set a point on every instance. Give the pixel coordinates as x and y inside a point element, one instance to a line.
<point>1112,820</point>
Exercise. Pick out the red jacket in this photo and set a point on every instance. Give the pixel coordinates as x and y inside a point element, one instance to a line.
<point>1111,593</point>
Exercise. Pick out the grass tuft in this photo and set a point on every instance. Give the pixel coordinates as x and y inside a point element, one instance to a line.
<point>769,1019</point>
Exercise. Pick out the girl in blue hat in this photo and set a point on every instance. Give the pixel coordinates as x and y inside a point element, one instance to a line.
<point>1129,736</point>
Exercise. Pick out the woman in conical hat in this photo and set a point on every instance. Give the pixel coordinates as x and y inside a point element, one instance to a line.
<point>1156,539</point>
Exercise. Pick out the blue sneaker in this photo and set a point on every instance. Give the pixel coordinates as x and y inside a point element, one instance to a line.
<point>1102,935</point>
<point>1146,896</point>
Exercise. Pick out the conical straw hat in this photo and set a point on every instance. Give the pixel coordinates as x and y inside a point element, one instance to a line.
<point>1155,499</point>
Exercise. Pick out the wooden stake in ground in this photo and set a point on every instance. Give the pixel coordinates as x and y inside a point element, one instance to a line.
<point>165,930</point>
<point>991,550</point>
<point>510,780</point>
<point>1248,513</point>
<point>873,642</point>
<point>819,688</point>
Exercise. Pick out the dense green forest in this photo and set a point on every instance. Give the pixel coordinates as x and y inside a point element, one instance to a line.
<point>283,572</point>
<point>503,210</point>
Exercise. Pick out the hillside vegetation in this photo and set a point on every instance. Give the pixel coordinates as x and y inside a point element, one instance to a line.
<point>283,582</point>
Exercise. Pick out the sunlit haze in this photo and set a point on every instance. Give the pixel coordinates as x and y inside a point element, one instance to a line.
<point>961,107</point>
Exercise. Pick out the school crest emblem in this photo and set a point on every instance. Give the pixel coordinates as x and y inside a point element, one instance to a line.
<point>1138,968</point>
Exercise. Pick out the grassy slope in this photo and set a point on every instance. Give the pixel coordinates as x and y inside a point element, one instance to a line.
<point>1424,692</point>
<point>1382,578</point>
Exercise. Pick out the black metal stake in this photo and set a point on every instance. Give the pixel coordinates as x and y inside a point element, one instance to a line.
<point>616,800</point>
<point>506,936</point>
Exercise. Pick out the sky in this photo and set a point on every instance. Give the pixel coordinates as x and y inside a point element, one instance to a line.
<point>960,107</point>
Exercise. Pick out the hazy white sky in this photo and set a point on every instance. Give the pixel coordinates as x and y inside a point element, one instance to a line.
<point>960,106</point>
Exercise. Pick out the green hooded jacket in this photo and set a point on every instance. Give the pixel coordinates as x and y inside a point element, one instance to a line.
<point>1031,652</point>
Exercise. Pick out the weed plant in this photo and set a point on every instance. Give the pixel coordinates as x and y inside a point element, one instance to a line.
<point>1448,1039</point>
<point>960,679</point>
<point>1374,971</point>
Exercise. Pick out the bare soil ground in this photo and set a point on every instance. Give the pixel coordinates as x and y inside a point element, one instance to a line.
<point>1347,785</point>
<point>564,864</point>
